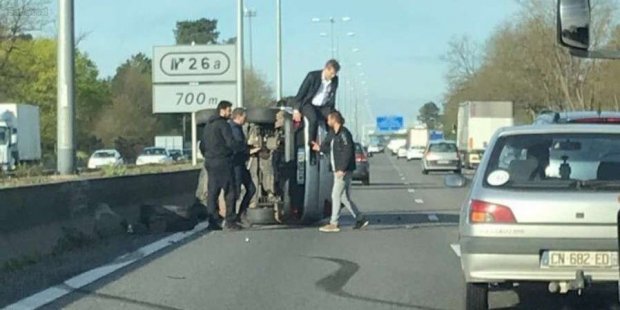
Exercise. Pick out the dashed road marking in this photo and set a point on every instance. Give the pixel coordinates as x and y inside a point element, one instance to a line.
<point>53,293</point>
<point>411,190</point>
<point>456,248</point>
<point>433,217</point>
<point>420,201</point>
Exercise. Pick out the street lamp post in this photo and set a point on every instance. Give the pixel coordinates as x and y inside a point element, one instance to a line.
<point>240,53</point>
<point>279,49</point>
<point>332,22</point>
<point>249,13</point>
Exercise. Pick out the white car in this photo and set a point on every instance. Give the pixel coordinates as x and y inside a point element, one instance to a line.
<point>154,156</point>
<point>402,152</point>
<point>374,149</point>
<point>415,152</point>
<point>101,158</point>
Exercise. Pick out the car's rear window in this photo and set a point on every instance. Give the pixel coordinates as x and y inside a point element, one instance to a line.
<point>555,161</point>
<point>104,154</point>
<point>155,151</point>
<point>442,147</point>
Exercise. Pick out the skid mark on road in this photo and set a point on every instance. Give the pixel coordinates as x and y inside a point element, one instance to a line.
<point>335,282</point>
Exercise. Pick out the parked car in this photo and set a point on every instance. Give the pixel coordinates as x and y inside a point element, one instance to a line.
<point>543,208</point>
<point>441,155</point>
<point>375,148</point>
<point>415,152</point>
<point>101,158</point>
<point>177,155</point>
<point>402,152</point>
<point>362,170</point>
<point>154,156</point>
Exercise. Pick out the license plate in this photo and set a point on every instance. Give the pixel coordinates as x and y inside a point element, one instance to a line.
<point>443,162</point>
<point>579,259</point>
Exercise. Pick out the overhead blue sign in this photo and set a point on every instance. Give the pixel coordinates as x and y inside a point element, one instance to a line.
<point>436,135</point>
<point>390,123</point>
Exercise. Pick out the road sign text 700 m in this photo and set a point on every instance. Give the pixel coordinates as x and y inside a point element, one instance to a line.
<point>191,98</point>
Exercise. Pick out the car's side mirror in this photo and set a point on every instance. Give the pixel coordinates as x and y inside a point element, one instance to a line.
<point>14,139</point>
<point>574,24</point>
<point>455,181</point>
<point>573,30</point>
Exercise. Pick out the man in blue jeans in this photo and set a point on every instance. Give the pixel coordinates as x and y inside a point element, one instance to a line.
<point>240,160</point>
<point>341,149</point>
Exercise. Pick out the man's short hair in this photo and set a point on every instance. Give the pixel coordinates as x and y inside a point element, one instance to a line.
<point>223,105</point>
<point>238,112</point>
<point>336,115</point>
<point>334,64</point>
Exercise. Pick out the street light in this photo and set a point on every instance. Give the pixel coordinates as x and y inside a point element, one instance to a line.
<point>331,21</point>
<point>249,13</point>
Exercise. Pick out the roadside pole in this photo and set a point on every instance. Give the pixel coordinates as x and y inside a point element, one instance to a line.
<point>240,16</point>
<point>65,105</point>
<point>279,49</point>
<point>194,140</point>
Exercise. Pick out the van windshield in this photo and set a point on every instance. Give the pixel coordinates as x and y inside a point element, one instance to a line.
<point>4,135</point>
<point>576,161</point>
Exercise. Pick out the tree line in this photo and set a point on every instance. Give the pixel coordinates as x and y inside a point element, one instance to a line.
<point>112,111</point>
<point>523,62</point>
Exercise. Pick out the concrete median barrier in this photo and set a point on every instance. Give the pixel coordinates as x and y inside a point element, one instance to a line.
<point>34,219</point>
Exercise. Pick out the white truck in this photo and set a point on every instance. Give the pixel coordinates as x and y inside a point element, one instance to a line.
<point>477,121</point>
<point>20,134</point>
<point>418,136</point>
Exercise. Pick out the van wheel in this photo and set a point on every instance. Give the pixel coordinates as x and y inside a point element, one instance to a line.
<point>262,216</point>
<point>261,115</point>
<point>477,296</point>
<point>425,172</point>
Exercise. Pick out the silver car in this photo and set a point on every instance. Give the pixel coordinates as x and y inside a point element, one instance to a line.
<point>542,208</point>
<point>441,155</point>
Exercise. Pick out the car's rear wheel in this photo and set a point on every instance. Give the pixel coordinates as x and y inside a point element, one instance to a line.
<point>425,172</point>
<point>366,180</point>
<point>477,296</point>
<point>261,115</point>
<point>457,171</point>
<point>261,216</point>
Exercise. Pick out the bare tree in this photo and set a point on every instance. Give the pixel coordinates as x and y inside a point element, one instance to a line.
<point>464,57</point>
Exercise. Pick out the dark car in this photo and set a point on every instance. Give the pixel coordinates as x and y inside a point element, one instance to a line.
<point>362,170</point>
<point>176,155</point>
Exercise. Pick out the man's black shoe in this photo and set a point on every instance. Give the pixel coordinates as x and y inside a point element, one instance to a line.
<point>232,227</point>
<point>214,226</point>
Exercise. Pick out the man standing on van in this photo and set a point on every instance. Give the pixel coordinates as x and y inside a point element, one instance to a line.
<point>341,149</point>
<point>219,148</point>
<point>316,97</point>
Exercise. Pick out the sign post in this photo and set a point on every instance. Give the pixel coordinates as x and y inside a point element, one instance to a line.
<point>190,78</point>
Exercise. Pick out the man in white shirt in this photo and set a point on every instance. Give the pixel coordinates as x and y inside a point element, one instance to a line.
<point>316,97</point>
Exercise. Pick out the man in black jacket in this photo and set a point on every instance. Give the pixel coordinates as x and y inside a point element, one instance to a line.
<point>341,149</point>
<point>316,97</point>
<point>240,160</point>
<point>219,147</point>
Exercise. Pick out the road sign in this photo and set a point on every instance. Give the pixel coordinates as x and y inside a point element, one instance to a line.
<point>177,98</point>
<point>194,63</point>
<point>390,123</point>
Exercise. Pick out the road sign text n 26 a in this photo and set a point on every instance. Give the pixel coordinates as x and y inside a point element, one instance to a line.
<point>196,63</point>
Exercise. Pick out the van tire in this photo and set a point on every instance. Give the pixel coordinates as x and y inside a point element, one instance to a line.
<point>425,172</point>
<point>261,115</point>
<point>262,216</point>
<point>477,296</point>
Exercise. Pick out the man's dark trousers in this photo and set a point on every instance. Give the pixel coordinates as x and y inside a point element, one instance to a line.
<point>222,178</point>
<point>315,115</point>
<point>243,177</point>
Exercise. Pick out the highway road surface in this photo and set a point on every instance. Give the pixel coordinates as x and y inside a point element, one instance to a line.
<point>403,260</point>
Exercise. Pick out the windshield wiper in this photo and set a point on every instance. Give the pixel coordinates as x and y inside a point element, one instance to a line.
<point>596,184</point>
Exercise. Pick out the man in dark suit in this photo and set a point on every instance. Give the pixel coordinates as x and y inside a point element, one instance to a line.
<point>316,97</point>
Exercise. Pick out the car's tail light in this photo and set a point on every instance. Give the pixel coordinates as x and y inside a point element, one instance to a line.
<point>360,158</point>
<point>597,120</point>
<point>486,212</point>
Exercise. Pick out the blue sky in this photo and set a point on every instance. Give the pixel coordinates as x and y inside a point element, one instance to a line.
<point>400,41</point>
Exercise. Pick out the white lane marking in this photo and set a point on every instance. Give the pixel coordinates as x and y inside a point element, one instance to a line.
<point>433,217</point>
<point>402,178</point>
<point>456,248</point>
<point>420,201</point>
<point>53,293</point>
<point>411,190</point>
